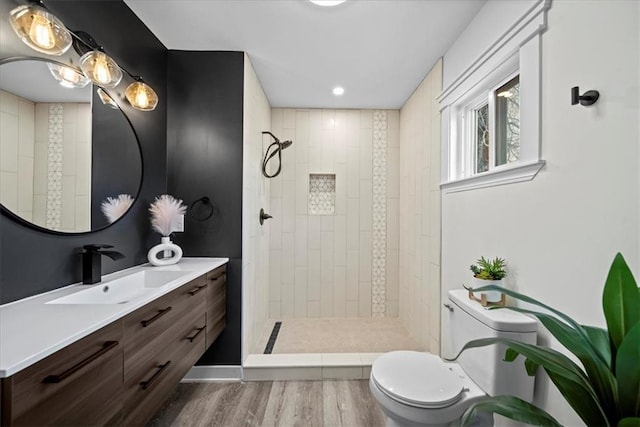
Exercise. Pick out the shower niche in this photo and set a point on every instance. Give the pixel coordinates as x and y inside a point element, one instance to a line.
<point>322,194</point>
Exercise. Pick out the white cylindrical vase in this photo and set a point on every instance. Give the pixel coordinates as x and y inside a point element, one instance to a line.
<point>171,252</point>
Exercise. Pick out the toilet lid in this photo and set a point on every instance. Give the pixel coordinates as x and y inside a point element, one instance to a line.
<point>417,379</point>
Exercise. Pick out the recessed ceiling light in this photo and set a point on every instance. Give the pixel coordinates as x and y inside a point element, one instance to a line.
<point>337,91</point>
<point>327,2</point>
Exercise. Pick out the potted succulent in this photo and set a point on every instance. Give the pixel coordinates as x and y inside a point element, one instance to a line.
<point>489,272</point>
<point>604,388</point>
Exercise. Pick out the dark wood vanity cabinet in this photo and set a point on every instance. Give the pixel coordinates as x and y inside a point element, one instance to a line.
<point>216,303</point>
<point>122,373</point>
<point>162,342</point>
<point>78,385</point>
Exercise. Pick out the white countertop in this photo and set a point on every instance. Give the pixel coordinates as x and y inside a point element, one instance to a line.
<point>31,330</point>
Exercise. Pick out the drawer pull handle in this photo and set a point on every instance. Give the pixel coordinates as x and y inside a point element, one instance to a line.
<point>192,292</point>
<point>160,313</point>
<point>146,384</point>
<point>223,276</point>
<point>198,331</point>
<point>54,379</point>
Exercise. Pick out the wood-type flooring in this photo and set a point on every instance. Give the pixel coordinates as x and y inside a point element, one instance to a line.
<point>329,403</point>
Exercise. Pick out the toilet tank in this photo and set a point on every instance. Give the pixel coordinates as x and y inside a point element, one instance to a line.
<point>469,321</point>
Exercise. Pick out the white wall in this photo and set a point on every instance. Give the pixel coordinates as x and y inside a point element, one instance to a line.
<point>560,232</point>
<point>255,195</point>
<point>323,265</point>
<point>420,212</point>
<point>16,154</point>
<point>46,162</point>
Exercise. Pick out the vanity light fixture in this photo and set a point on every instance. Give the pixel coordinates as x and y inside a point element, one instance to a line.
<point>338,90</point>
<point>328,3</point>
<point>40,29</point>
<point>67,76</point>
<point>45,33</point>
<point>141,96</point>
<point>100,68</point>
<point>106,99</point>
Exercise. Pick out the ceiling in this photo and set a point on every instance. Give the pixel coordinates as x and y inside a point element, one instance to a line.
<point>32,80</point>
<point>378,50</point>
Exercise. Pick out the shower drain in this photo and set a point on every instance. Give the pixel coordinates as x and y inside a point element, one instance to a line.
<point>272,338</point>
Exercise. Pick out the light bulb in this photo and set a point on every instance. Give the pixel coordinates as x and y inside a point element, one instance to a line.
<point>100,69</point>
<point>141,96</point>
<point>67,76</point>
<point>41,32</point>
<point>101,74</point>
<point>142,100</point>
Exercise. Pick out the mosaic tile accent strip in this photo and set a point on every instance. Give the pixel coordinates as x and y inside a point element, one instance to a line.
<point>379,214</point>
<point>322,194</point>
<point>55,139</point>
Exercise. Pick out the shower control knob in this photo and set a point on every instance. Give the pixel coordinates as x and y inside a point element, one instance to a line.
<point>263,216</point>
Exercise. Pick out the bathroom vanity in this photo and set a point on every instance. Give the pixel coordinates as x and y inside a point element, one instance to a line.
<point>70,357</point>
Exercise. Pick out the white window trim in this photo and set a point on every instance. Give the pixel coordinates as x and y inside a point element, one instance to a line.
<point>518,50</point>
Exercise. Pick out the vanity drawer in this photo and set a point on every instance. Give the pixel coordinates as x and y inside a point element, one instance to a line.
<point>80,384</point>
<point>163,370</point>
<point>149,329</point>
<point>216,303</point>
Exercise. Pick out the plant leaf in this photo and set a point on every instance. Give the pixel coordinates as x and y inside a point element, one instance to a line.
<point>531,367</point>
<point>620,300</point>
<point>510,407</point>
<point>628,365</point>
<point>600,376</point>
<point>601,342</point>
<point>565,374</point>
<point>629,422</point>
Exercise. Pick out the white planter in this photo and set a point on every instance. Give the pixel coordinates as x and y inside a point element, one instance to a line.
<point>492,296</point>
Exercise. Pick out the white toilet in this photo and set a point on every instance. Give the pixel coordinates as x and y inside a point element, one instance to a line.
<point>417,389</point>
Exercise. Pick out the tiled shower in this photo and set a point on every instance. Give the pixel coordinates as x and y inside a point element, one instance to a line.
<point>354,233</point>
<point>334,242</point>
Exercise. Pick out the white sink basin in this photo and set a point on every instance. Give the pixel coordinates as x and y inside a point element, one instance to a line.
<point>122,290</point>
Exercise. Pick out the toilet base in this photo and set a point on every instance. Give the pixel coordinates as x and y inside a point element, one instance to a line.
<point>483,419</point>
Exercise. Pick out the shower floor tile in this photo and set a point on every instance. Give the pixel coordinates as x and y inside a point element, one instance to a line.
<point>370,335</point>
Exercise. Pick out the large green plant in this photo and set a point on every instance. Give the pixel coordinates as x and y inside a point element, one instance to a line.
<point>605,390</point>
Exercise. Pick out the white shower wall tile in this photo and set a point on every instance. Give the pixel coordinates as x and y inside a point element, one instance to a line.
<point>300,289</point>
<point>419,213</point>
<point>337,248</point>
<point>301,240</point>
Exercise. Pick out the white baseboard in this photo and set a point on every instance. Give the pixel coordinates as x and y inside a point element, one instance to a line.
<point>204,374</point>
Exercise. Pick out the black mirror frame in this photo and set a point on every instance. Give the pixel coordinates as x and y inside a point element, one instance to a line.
<point>10,214</point>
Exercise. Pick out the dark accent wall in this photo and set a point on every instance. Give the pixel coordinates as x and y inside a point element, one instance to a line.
<point>205,160</point>
<point>33,261</point>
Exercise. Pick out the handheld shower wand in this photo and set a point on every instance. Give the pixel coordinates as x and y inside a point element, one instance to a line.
<point>274,149</point>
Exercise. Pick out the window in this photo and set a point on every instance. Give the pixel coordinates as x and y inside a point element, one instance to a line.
<point>507,116</point>
<point>495,127</point>
<point>491,111</point>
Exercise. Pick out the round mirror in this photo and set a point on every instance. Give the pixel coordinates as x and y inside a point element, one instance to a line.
<point>69,162</point>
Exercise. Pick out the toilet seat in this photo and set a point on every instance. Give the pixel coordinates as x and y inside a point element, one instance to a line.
<point>417,379</point>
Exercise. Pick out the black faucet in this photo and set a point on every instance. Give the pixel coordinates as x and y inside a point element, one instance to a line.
<point>92,262</point>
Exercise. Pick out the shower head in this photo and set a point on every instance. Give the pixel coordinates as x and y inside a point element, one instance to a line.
<point>286,144</point>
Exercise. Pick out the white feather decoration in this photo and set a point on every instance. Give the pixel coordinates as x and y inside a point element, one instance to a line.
<point>114,208</point>
<point>165,211</point>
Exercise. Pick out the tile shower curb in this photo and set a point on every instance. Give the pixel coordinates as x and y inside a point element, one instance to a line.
<point>308,366</point>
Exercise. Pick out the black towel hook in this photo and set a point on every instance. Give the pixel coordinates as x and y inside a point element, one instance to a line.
<point>588,98</point>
